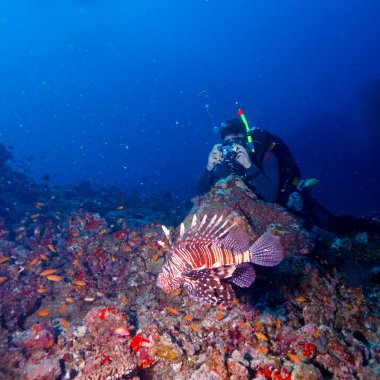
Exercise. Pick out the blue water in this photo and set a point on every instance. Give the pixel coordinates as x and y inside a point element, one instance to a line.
<point>127,92</point>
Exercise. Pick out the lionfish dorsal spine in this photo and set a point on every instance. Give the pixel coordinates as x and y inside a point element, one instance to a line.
<point>194,221</point>
<point>167,234</point>
<point>181,231</point>
<point>209,234</point>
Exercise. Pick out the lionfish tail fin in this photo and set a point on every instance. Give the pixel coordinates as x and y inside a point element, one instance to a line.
<point>267,250</point>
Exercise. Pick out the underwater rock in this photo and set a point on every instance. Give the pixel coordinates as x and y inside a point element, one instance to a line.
<point>46,369</point>
<point>231,198</point>
<point>304,371</point>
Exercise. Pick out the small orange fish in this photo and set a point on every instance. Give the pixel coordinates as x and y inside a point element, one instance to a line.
<point>51,343</point>
<point>69,299</point>
<point>295,358</point>
<point>3,279</point>
<point>221,307</point>
<point>34,216</point>
<point>102,232</point>
<point>33,262</point>
<point>259,326</point>
<point>175,293</point>
<point>54,277</point>
<point>40,204</point>
<point>235,300</point>
<point>79,283</point>
<point>119,220</point>
<point>43,256</point>
<point>301,299</point>
<point>127,248</point>
<point>220,316</point>
<point>42,290</point>
<point>36,329</point>
<point>43,312</point>
<point>89,299</point>
<point>48,272</point>
<point>65,324</point>
<point>193,327</point>
<point>263,350</point>
<point>3,259</point>
<point>188,317</point>
<point>278,324</point>
<point>172,310</point>
<point>63,308</point>
<point>21,228</point>
<point>261,336</point>
<point>155,258</point>
<point>75,233</point>
<point>51,247</point>
<point>244,326</point>
<point>120,207</point>
<point>76,261</point>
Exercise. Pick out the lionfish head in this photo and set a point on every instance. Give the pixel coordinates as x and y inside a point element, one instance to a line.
<point>167,282</point>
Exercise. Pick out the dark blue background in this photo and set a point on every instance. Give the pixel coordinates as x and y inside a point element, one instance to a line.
<point>109,90</point>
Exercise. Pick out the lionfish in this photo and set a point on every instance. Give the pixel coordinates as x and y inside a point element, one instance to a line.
<point>215,255</point>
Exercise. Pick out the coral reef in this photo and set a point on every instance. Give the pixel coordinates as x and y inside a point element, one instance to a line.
<point>79,298</point>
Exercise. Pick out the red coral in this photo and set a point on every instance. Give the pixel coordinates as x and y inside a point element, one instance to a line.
<point>309,349</point>
<point>137,342</point>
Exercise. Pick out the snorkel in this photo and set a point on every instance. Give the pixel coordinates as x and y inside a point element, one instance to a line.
<point>248,130</point>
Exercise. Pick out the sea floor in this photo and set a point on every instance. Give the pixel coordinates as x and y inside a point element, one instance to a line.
<point>79,299</point>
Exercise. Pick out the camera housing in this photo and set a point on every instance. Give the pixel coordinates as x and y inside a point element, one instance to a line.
<point>229,164</point>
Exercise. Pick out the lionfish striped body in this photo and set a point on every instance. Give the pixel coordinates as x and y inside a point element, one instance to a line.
<point>211,258</point>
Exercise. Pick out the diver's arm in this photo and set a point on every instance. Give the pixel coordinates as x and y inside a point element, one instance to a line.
<point>215,157</point>
<point>205,182</point>
<point>266,181</point>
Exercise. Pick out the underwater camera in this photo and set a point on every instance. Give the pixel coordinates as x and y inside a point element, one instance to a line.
<point>229,162</point>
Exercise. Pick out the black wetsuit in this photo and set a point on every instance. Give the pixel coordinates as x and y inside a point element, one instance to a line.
<point>273,183</point>
<point>264,180</point>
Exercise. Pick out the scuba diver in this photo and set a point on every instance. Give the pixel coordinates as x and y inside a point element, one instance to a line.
<point>269,169</point>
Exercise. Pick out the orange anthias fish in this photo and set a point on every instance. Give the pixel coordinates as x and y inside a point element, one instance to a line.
<point>63,308</point>
<point>65,324</point>
<point>213,255</point>
<point>79,283</point>
<point>48,272</point>
<point>43,312</point>
<point>51,247</point>
<point>33,262</point>
<point>194,328</point>
<point>172,310</point>
<point>295,358</point>
<point>220,316</point>
<point>3,259</point>
<point>261,336</point>
<point>54,277</point>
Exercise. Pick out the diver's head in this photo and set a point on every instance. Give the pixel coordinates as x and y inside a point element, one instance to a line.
<point>233,128</point>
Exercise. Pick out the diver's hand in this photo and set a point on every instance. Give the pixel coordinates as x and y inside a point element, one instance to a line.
<point>215,157</point>
<point>242,156</point>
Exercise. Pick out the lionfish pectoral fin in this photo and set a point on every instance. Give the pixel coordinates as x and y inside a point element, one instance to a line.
<point>205,286</point>
<point>244,275</point>
<point>267,250</point>
<point>236,240</point>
